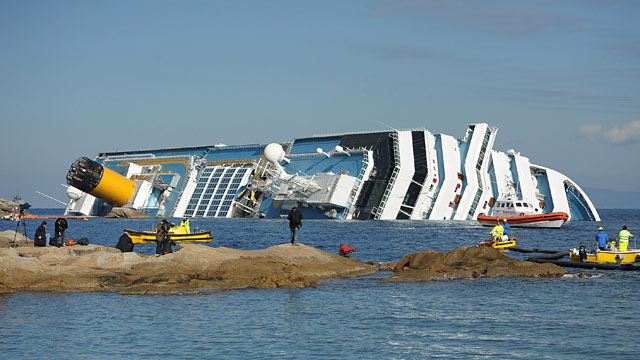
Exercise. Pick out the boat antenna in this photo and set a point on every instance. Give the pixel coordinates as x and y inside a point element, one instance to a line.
<point>52,198</point>
<point>387,125</point>
<point>17,198</point>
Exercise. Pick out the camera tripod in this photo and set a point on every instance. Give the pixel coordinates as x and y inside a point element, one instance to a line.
<point>24,229</point>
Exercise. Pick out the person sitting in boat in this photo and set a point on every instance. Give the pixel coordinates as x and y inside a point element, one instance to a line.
<point>623,238</point>
<point>602,238</point>
<point>497,232</point>
<point>186,226</point>
<point>346,250</point>
<point>506,227</point>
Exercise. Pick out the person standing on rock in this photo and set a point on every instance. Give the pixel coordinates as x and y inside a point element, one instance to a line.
<point>162,235</point>
<point>295,223</point>
<point>60,227</point>
<point>40,239</point>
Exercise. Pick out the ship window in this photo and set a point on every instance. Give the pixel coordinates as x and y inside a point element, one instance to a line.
<point>518,204</point>
<point>525,204</point>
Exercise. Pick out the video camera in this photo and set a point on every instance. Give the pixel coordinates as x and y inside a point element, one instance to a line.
<point>24,207</point>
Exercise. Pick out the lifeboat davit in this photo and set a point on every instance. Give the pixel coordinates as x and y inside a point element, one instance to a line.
<point>550,220</point>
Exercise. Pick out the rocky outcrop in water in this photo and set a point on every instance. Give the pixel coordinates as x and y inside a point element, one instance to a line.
<point>192,269</point>
<point>466,262</point>
<point>119,212</point>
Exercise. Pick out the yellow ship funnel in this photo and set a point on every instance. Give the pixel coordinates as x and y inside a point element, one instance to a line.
<point>95,179</point>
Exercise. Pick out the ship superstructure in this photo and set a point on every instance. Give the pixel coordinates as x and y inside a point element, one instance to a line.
<point>384,175</point>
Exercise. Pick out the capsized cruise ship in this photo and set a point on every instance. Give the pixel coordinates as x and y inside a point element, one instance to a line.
<point>383,175</point>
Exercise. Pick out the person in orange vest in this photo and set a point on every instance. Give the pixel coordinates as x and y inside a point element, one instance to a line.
<point>346,250</point>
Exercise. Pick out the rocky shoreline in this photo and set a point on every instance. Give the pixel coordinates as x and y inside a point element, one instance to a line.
<point>191,269</point>
<point>197,269</point>
<point>472,262</point>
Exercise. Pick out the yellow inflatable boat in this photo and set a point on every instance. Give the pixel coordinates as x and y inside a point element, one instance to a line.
<point>609,256</point>
<point>176,233</point>
<point>500,245</point>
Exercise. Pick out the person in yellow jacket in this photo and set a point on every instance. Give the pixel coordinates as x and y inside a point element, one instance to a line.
<point>186,226</point>
<point>623,238</point>
<point>497,232</point>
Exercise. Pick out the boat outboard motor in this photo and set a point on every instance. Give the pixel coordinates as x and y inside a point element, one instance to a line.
<point>582,251</point>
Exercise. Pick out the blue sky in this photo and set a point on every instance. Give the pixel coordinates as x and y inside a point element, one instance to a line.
<point>560,79</point>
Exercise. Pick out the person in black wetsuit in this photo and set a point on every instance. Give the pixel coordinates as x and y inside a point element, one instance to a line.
<point>40,239</point>
<point>60,226</point>
<point>163,241</point>
<point>125,244</point>
<point>295,223</point>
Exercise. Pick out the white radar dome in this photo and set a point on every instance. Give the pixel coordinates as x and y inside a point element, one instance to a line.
<point>274,153</point>
<point>74,193</point>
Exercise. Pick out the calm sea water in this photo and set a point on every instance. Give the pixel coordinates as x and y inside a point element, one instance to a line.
<point>568,318</point>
